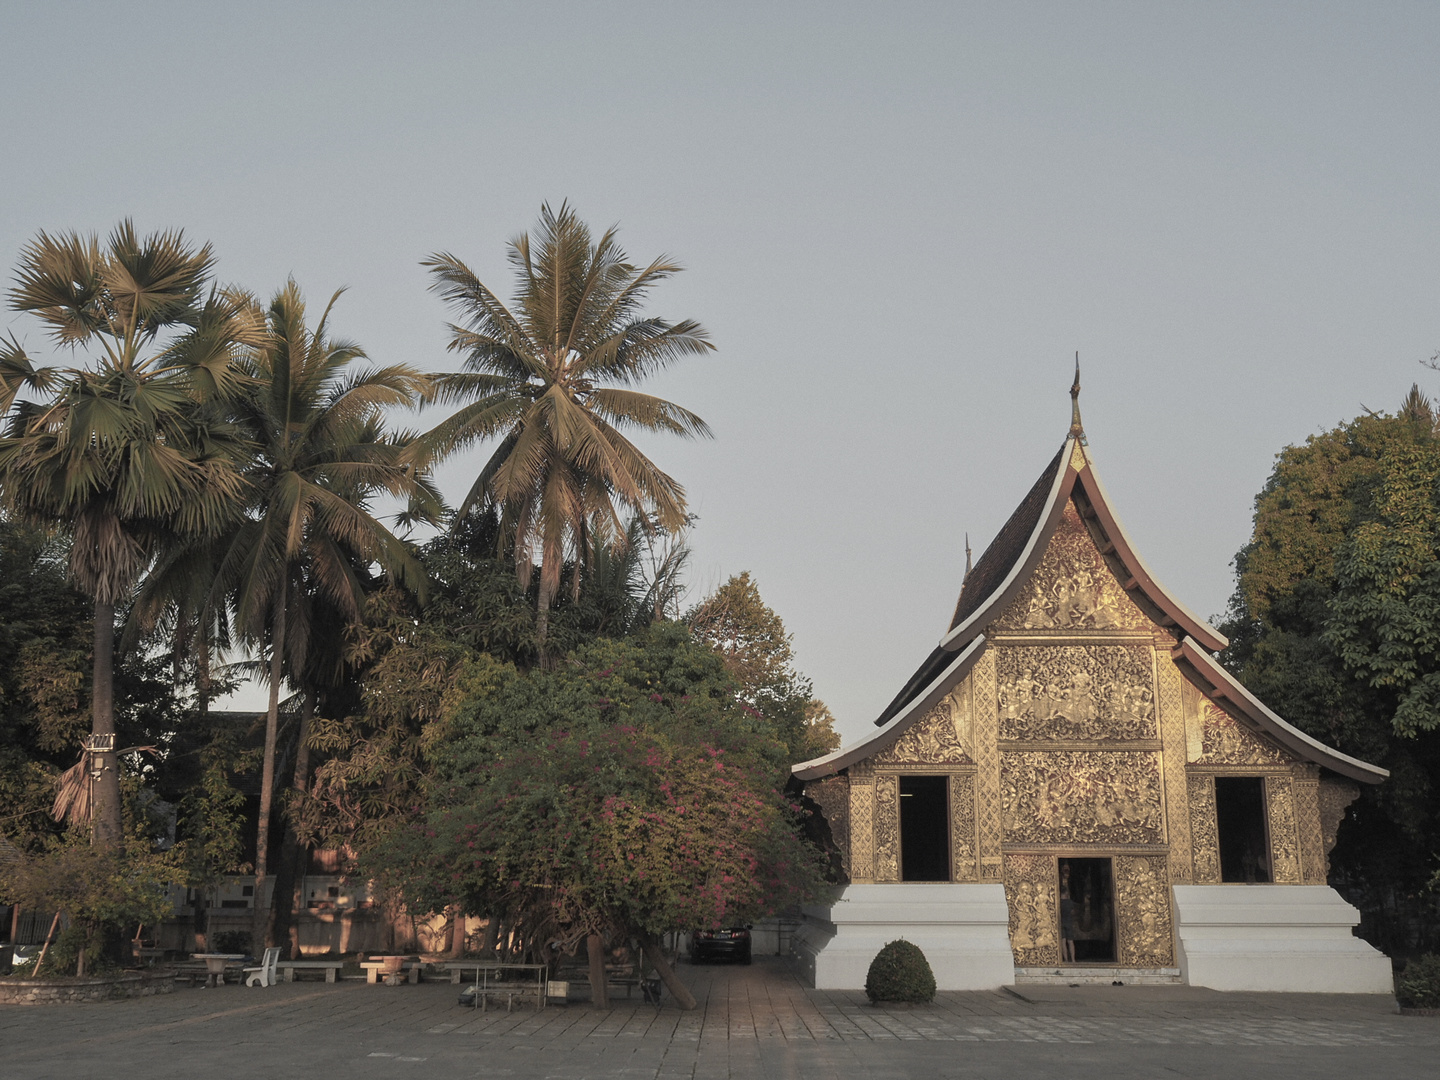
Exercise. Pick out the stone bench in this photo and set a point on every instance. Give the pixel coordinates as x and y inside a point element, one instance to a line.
<point>290,969</point>
<point>373,969</point>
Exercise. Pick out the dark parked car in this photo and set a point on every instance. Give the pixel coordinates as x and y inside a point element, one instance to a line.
<point>733,942</point>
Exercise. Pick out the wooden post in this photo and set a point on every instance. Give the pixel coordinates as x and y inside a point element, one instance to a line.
<point>46,947</point>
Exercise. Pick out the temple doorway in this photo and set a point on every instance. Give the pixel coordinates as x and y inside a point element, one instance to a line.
<point>1087,911</point>
<point>924,828</point>
<point>1240,823</point>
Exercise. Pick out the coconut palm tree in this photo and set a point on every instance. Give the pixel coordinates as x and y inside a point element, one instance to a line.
<point>551,380</point>
<point>133,447</point>
<point>323,457</point>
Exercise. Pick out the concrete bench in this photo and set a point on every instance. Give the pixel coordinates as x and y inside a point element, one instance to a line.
<point>373,969</point>
<point>291,968</point>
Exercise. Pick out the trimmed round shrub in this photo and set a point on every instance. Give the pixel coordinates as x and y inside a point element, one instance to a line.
<point>900,972</point>
<point>1419,984</point>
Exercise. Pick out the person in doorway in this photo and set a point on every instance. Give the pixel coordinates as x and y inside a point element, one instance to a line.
<point>1068,926</point>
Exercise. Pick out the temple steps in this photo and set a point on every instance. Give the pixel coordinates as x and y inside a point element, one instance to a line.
<point>1091,974</point>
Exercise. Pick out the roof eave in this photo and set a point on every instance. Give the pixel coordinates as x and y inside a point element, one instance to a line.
<point>1224,685</point>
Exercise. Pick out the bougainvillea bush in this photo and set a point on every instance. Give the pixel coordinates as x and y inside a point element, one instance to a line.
<point>624,789</point>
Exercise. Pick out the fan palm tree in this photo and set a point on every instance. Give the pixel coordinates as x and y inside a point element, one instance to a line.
<point>131,448</point>
<point>551,380</point>
<point>323,457</point>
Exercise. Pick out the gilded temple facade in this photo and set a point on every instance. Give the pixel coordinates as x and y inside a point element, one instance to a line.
<point>1071,786</point>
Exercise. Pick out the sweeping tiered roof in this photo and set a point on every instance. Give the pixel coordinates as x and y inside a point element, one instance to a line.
<point>1004,570</point>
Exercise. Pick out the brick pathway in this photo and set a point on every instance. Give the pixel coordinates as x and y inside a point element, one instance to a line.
<point>753,1022</point>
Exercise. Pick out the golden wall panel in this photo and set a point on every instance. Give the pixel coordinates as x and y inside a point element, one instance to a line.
<point>987,760</point>
<point>1072,588</point>
<point>1177,798</point>
<point>1284,840</point>
<point>1306,781</point>
<point>1058,693</point>
<point>887,827</point>
<point>1225,741</point>
<point>1204,833</point>
<point>1142,902</point>
<point>1082,797</point>
<point>862,829</point>
<point>962,828</point>
<point>1032,890</point>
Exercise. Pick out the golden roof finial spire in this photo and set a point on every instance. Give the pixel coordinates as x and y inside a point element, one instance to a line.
<point>1077,429</point>
<point>967,558</point>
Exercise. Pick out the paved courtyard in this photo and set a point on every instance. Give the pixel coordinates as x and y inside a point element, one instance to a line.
<point>752,1022</point>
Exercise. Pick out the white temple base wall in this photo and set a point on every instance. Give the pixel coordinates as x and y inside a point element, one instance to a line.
<point>1294,938</point>
<point>963,930</point>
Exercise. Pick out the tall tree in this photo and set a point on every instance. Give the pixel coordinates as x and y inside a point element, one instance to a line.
<point>322,458</point>
<point>131,448</point>
<point>550,377</point>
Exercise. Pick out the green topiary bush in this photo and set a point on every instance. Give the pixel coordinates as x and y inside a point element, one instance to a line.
<point>900,972</point>
<point>1419,984</point>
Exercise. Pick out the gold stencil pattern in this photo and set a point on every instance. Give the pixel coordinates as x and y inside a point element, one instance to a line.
<point>887,828</point>
<point>1072,692</point>
<point>935,739</point>
<point>987,758</point>
<point>1307,820</point>
<point>1172,735</point>
<point>962,827</point>
<point>1204,833</point>
<point>1073,588</point>
<point>1031,891</point>
<point>832,796</point>
<point>1284,843</point>
<point>862,831</point>
<point>1227,742</point>
<point>1083,796</point>
<point>1142,900</point>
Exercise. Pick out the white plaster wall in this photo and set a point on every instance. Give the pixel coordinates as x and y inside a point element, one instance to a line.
<point>1295,938</point>
<point>964,931</point>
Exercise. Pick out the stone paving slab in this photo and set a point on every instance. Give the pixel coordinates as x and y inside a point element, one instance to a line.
<point>753,1022</point>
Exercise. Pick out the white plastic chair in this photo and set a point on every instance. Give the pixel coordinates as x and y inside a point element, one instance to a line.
<point>264,975</point>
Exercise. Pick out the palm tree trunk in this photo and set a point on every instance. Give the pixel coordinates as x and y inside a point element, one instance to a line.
<point>599,996</point>
<point>267,772</point>
<point>290,878</point>
<point>105,826</point>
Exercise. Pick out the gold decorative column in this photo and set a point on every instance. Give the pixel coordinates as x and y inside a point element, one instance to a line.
<point>1284,839</point>
<point>987,761</point>
<point>1173,750</point>
<point>862,826</point>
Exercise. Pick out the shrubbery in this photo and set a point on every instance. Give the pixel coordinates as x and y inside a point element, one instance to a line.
<point>900,972</point>
<point>1419,984</point>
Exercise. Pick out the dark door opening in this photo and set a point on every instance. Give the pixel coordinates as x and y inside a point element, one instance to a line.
<point>1240,821</point>
<point>1087,912</point>
<point>924,828</point>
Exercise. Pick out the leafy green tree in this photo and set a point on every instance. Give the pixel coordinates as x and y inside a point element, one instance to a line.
<point>624,791</point>
<point>1334,623</point>
<point>124,451</point>
<point>550,377</point>
<point>321,458</point>
<point>758,652</point>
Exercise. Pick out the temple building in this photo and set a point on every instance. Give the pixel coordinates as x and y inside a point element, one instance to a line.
<point>1071,788</point>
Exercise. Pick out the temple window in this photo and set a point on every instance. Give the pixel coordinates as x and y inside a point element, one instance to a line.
<point>924,828</point>
<point>1240,823</point>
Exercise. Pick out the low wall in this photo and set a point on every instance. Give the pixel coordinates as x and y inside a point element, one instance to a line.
<point>74,991</point>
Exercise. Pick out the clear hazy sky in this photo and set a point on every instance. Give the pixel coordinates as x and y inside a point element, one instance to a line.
<point>901,220</point>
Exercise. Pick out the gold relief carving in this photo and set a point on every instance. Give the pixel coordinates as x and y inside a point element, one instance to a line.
<point>1194,720</point>
<point>1077,458</point>
<point>1082,796</point>
<point>1142,899</point>
<point>1031,888</point>
<point>1204,833</point>
<point>1070,692</point>
<point>1333,796</point>
<point>887,828</point>
<point>932,740</point>
<point>1073,588</point>
<point>1284,843</point>
<point>962,827</point>
<point>1172,736</point>
<point>987,759</point>
<point>1306,781</point>
<point>832,796</point>
<point>1227,742</point>
<point>862,831</point>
